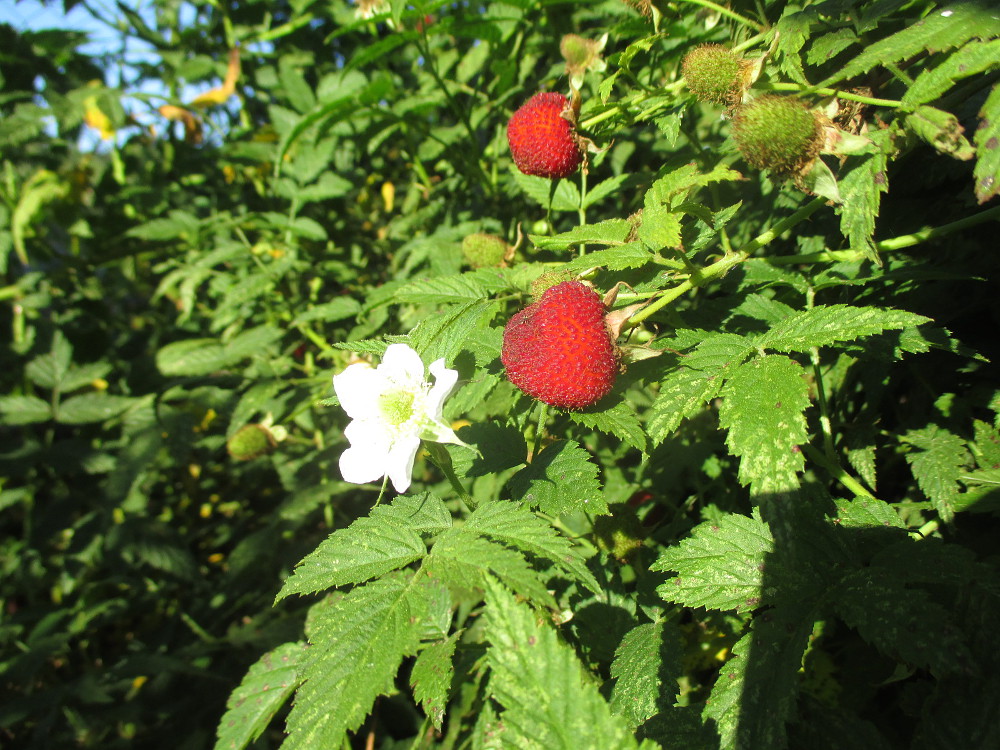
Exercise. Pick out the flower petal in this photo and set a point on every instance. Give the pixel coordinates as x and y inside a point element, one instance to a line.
<point>444,383</point>
<point>361,464</point>
<point>399,464</point>
<point>358,389</point>
<point>403,365</point>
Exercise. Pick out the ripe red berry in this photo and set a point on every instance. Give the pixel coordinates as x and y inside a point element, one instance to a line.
<point>559,349</point>
<point>542,141</point>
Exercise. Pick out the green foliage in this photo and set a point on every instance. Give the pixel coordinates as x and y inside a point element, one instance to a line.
<point>776,531</point>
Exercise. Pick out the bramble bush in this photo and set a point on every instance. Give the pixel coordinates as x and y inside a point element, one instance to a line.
<point>777,530</point>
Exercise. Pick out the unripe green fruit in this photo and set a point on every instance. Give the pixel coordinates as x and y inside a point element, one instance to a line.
<point>777,133</point>
<point>620,534</point>
<point>249,442</point>
<point>712,72</point>
<point>484,250</point>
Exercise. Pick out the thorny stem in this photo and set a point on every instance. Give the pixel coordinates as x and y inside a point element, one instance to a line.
<point>582,211</point>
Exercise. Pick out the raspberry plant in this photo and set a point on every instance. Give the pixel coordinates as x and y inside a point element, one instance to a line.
<point>775,530</point>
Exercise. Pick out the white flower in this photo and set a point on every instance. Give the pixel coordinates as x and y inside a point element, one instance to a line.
<point>393,408</point>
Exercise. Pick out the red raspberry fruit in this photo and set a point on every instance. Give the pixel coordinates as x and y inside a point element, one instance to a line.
<point>542,141</point>
<point>559,349</point>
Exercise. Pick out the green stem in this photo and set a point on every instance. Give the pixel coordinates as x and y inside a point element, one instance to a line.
<point>836,471</point>
<point>824,91</point>
<point>439,454</point>
<point>727,12</point>
<point>908,240</point>
<point>582,211</point>
<point>727,262</point>
<point>543,415</point>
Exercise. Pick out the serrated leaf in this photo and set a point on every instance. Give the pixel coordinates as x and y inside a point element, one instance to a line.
<point>829,324</point>
<point>755,692</point>
<point>610,232</point>
<point>357,643</point>
<point>603,189</point>
<point>619,420</point>
<point>941,29</point>
<point>683,394</point>
<point>520,528</point>
<point>674,186</point>
<point>48,370</point>
<point>936,465</point>
<point>388,539</point>
<point>337,309</point>
<point>720,566</point>
<point>973,58</point>
<point>719,353</point>
<point>465,561</point>
<point>565,198</point>
<point>203,356</point>
<point>630,255</point>
<point>431,678</point>
<point>264,689</point>
<point>987,140</point>
<point>560,479</point>
<point>93,407</point>
<point>762,407</point>
<point>867,511</point>
<point>904,623</point>
<point>861,190</point>
<point>19,410</point>
<point>941,130</point>
<point>442,290</point>
<point>646,668</point>
<point>660,228</point>
<point>445,334</point>
<point>550,701</point>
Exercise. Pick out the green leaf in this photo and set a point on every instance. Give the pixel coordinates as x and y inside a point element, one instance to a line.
<point>603,189</point>
<point>660,228</point>
<point>987,140</point>
<point>565,198</point>
<point>179,225</point>
<point>941,130</point>
<point>48,370</point>
<point>388,539</point>
<point>41,188</point>
<point>902,622</point>
<point>443,290</point>
<point>646,667</point>
<point>465,561</point>
<point>93,407</point>
<point>560,479</point>
<point>861,190</point>
<point>550,701</point>
<point>431,678</point>
<point>357,642</point>
<point>975,57</point>
<point>762,407</point>
<point>720,566</point>
<point>19,410</point>
<point>719,353</point>
<point>610,232</point>
<point>683,394</point>
<point>940,29</point>
<point>755,692</point>
<point>204,356</point>
<point>867,511</point>
<point>936,465</point>
<point>517,527</point>
<point>264,689</point>
<point>449,331</point>
<point>630,255</point>
<point>829,324</point>
<point>619,420</point>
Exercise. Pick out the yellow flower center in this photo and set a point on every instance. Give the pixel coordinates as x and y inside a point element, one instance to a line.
<point>396,406</point>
